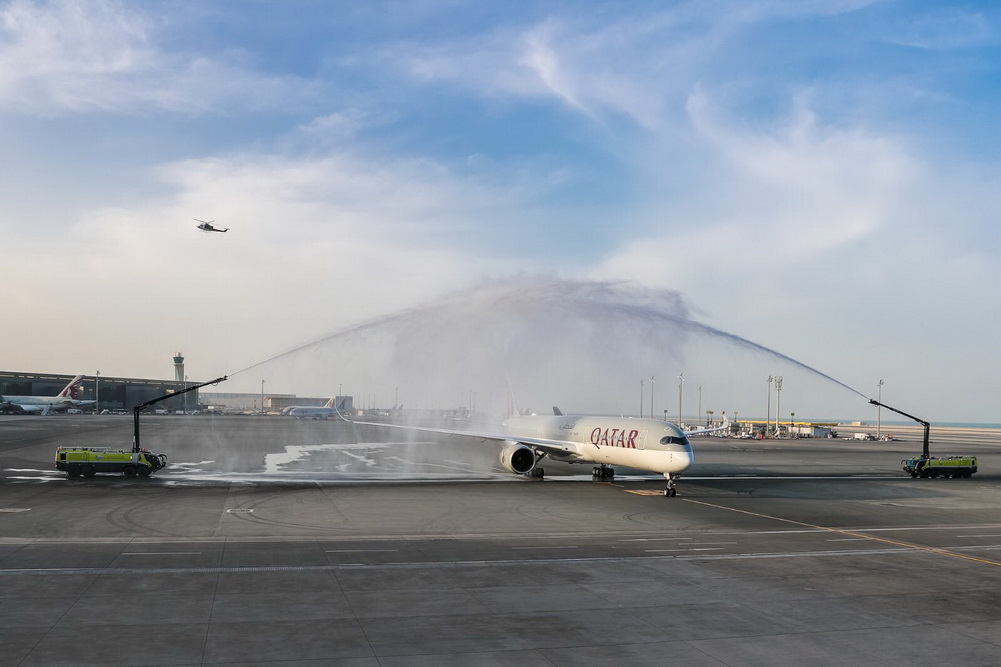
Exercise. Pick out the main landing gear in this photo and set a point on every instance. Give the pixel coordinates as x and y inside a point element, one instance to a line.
<point>670,491</point>
<point>600,473</point>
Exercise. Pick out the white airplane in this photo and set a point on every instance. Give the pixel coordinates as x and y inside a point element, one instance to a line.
<point>207,226</point>
<point>65,399</point>
<point>647,444</point>
<point>311,412</point>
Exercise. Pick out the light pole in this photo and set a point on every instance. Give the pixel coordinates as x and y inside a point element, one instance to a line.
<point>768,410</point>
<point>185,396</point>
<point>879,410</point>
<point>681,384</point>
<point>698,414</point>
<point>262,396</point>
<point>778,401</point>
<point>97,394</point>
<point>651,396</point>
<point>641,399</point>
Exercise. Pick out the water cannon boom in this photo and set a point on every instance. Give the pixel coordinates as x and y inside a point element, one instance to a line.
<point>927,425</point>
<point>139,408</point>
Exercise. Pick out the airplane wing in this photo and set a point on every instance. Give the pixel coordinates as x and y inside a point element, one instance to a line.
<point>560,448</point>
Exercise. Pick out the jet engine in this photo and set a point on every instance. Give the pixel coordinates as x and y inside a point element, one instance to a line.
<point>518,458</point>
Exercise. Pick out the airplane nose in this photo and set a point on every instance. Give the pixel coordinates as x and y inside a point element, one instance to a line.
<point>684,459</point>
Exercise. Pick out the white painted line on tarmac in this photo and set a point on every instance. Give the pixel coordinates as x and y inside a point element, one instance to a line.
<point>357,551</point>
<point>160,553</point>
<point>554,547</point>
<point>860,530</point>
<point>714,543</point>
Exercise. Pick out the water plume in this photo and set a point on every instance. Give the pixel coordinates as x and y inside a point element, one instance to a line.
<point>582,344</point>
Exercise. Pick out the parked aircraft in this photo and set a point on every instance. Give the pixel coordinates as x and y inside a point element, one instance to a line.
<point>328,410</point>
<point>646,444</point>
<point>67,398</point>
<point>207,226</point>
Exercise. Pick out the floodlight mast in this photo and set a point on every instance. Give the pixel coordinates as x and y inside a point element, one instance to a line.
<point>927,425</point>
<point>139,408</point>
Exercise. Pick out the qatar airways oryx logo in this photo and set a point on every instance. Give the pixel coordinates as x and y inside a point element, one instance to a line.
<point>614,437</point>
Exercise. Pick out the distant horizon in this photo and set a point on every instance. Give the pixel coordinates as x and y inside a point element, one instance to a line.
<point>866,422</point>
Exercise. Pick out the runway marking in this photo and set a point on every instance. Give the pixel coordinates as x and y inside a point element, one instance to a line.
<point>908,545</point>
<point>642,492</point>
<point>64,571</point>
<point>161,553</point>
<point>356,551</point>
<point>655,539</point>
<point>12,510</point>
<point>714,543</point>
<point>657,551</point>
<point>868,530</point>
<point>554,547</point>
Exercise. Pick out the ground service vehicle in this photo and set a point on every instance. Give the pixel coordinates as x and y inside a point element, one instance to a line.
<point>88,461</point>
<point>946,466</point>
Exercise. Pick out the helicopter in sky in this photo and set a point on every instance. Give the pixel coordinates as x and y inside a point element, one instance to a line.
<point>207,226</point>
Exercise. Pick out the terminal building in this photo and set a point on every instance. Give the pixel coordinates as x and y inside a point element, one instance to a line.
<point>122,393</point>
<point>108,392</point>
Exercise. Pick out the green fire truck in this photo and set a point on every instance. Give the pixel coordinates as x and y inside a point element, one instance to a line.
<point>940,466</point>
<point>88,461</point>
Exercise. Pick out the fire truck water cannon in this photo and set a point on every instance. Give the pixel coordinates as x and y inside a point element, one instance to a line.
<point>927,425</point>
<point>88,461</point>
<point>142,406</point>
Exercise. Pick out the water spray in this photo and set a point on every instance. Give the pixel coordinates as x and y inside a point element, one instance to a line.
<point>549,334</point>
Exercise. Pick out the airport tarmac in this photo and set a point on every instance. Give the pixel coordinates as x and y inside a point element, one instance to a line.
<point>269,541</point>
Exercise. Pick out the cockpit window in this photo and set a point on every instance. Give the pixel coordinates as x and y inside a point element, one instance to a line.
<point>673,440</point>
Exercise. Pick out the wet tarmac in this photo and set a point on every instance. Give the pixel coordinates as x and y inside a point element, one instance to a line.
<point>269,541</point>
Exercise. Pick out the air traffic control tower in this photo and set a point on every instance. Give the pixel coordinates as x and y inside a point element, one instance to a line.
<point>179,367</point>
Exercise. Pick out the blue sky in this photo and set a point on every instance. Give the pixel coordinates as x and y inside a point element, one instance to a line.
<point>818,177</point>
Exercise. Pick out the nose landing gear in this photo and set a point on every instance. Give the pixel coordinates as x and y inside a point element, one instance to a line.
<point>671,491</point>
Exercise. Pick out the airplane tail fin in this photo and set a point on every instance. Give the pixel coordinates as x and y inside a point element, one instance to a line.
<point>330,403</point>
<point>724,426</point>
<point>557,411</point>
<point>72,389</point>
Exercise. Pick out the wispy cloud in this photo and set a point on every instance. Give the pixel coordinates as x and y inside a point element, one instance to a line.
<point>69,56</point>
<point>947,28</point>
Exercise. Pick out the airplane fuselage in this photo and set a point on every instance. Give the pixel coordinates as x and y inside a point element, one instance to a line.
<point>61,401</point>
<point>647,444</point>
